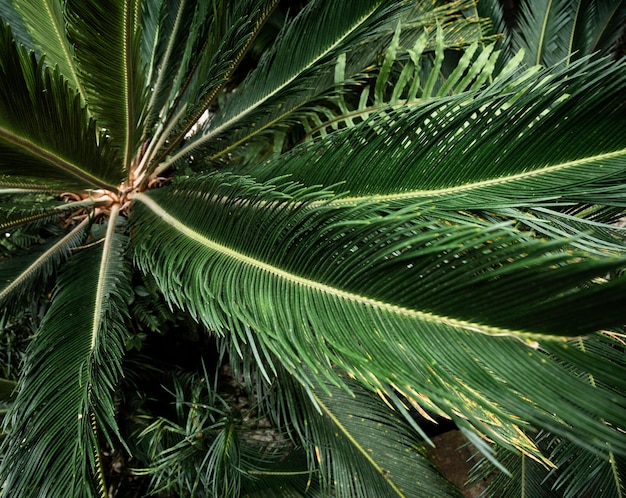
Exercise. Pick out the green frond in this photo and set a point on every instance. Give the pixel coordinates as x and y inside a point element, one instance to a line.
<point>583,228</point>
<point>545,30</point>
<point>64,397</point>
<point>295,63</point>
<point>19,275</point>
<point>557,30</point>
<point>420,291</point>
<point>33,208</point>
<point>107,41</point>
<point>580,473</point>
<point>229,29</point>
<point>221,450</point>
<point>359,59</point>
<point>45,22</point>
<point>528,478</point>
<point>11,16</point>
<point>597,27</point>
<point>359,446</point>
<point>44,131</point>
<point>539,144</point>
<point>403,82</point>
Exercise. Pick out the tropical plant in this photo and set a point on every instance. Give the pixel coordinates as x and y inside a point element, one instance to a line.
<point>370,212</point>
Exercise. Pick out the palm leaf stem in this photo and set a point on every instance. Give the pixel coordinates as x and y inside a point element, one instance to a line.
<point>69,206</point>
<point>42,260</point>
<point>157,141</point>
<point>69,167</point>
<point>240,114</point>
<point>209,99</point>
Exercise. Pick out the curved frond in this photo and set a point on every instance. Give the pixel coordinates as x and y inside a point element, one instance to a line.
<point>65,395</point>
<point>360,446</point>
<point>412,285</point>
<point>541,143</point>
<point>45,22</point>
<point>325,98</point>
<point>18,275</point>
<point>107,40</point>
<point>295,62</point>
<point>44,131</point>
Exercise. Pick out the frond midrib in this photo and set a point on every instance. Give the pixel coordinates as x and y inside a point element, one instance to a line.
<point>54,159</point>
<point>234,119</point>
<point>102,275</point>
<point>416,194</point>
<point>326,289</point>
<point>358,446</point>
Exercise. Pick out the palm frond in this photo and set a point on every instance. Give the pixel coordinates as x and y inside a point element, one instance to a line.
<point>540,144</point>
<point>359,446</point>
<point>18,275</point>
<point>11,16</point>
<point>586,229</point>
<point>598,25</point>
<point>56,141</point>
<point>295,63</point>
<point>218,445</point>
<point>28,207</point>
<point>65,395</point>
<point>230,32</point>
<point>527,478</point>
<point>107,40</point>
<point>545,30</point>
<point>414,286</point>
<point>353,69</point>
<point>555,31</point>
<point>404,83</point>
<point>583,473</point>
<point>45,22</point>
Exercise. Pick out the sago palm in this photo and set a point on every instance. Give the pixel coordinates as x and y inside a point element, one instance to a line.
<point>375,231</point>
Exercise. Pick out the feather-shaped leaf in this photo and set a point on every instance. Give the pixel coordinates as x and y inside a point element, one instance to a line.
<point>65,395</point>
<point>19,275</point>
<point>598,25</point>
<point>544,30</point>
<point>539,144</point>
<point>352,68</point>
<point>360,446</point>
<point>106,36</point>
<point>46,25</point>
<point>296,61</point>
<point>412,286</point>
<point>44,131</point>
<point>206,44</point>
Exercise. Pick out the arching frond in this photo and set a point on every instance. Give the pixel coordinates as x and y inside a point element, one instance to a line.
<point>412,286</point>
<point>19,275</point>
<point>360,58</point>
<point>540,144</point>
<point>45,22</point>
<point>64,398</point>
<point>294,62</point>
<point>106,37</point>
<point>360,447</point>
<point>57,141</point>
